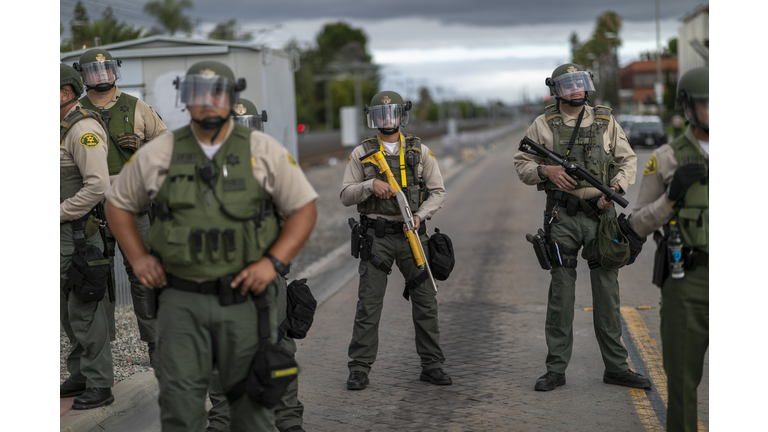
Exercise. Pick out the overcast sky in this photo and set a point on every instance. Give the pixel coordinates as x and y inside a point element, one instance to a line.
<point>481,49</point>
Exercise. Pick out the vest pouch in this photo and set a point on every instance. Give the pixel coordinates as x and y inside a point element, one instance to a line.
<point>694,227</point>
<point>251,242</point>
<point>413,197</point>
<point>199,245</point>
<point>233,243</point>
<point>216,245</point>
<point>182,191</point>
<point>170,242</point>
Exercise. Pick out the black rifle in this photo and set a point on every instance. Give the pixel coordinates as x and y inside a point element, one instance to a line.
<point>530,146</point>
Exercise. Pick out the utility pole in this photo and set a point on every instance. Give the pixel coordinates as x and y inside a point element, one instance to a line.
<point>659,85</point>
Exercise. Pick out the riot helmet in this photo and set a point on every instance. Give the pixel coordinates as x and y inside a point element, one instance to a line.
<point>568,79</point>
<point>209,83</point>
<point>693,88</point>
<point>68,76</point>
<point>387,112</point>
<point>99,70</point>
<point>246,114</point>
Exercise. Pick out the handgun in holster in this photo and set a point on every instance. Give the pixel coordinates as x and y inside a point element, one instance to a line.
<point>540,247</point>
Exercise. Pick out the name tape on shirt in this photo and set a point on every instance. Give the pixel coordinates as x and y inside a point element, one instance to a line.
<point>89,139</point>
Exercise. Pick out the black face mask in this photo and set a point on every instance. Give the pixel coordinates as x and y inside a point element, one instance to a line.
<point>389,131</point>
<point>101,88</point>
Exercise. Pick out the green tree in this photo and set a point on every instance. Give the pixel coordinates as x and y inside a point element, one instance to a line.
<point>673,46</point>
<point>229,30</point>
<point>328,72</point>
<point>104,31</point>
<point>170,15</point>
<point>601,50</point>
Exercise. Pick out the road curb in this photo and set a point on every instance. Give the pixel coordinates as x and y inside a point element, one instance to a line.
<point>137,391</point>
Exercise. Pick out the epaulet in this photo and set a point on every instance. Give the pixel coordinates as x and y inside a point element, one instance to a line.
<point>603,112</point>
<point>411,140</point>
<point>551,113</point>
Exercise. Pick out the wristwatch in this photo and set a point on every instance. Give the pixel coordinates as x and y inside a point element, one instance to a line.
<point>280,268</point>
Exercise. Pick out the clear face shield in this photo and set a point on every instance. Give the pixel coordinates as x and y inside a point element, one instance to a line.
<point>573,82</point>
<point>206,90</point>
<point>102,72</point>
<point>249,121</point>
<point>387,116</point>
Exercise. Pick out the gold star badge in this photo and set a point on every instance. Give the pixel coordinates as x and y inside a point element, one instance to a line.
<point>89,139</point>
<point>100,57</point>
<point>386,100</point>
<point>571,69</point>
<point>207,73</point>
<point>240,109</point>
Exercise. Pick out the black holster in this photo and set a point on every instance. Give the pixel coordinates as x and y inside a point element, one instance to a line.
<point>660,259</point>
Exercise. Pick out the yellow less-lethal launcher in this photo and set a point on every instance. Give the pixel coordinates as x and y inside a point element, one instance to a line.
<point>377,157</point>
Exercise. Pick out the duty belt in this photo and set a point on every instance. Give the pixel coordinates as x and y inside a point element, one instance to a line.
<point>383,226</point>
<point>219,287</point>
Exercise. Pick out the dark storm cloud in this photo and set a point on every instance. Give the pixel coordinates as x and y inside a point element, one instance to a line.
<point>475,12</point>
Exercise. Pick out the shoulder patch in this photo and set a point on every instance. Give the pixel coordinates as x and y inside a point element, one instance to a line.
<point>432,154</point>
<point>291,160</point>
<point>349,158</point>
<point>652,166</point>
<point>89,139</point>
<point>133,156</point>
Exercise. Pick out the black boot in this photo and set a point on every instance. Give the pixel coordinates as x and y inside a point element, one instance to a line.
<point>357,380</point>
<point>71,389</point>
<point>93,398</point>
<point>627,379</point>
<point>436,376</point>
<point>549,381</point>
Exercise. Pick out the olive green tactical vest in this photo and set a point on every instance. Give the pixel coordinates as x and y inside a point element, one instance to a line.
<point>199,240</point>
<point>413,193</point>
<point>588,150</point>
<point>121,120</point>
<point>693,216</point>
<point>70,179</point>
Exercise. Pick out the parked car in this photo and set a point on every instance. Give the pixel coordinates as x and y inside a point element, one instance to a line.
<point>625,121</point>
<point>646,131</point>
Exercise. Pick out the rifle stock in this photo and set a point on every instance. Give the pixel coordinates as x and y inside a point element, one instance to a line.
<point>530,146</point>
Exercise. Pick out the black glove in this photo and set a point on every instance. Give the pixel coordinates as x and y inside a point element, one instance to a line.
<point>684,177</point>
<point>129,140</point>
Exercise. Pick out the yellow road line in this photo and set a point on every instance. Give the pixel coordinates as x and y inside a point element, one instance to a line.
<point>646,346</point>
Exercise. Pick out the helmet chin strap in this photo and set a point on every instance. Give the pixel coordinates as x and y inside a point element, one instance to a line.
<point>101,88</point>
<point>211,123</point>
<point>575,102</point>
<point>67,102</point>
<point>389,131</point>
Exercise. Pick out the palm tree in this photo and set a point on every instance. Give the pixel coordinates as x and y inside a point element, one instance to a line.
<point>169,13</point>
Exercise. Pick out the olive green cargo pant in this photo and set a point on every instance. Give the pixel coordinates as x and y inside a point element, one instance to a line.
<point>684,341</point>
<point>194,332</point>
<point>574,232</point>
<point>393,248</point>
<point>290,410</point>
<point>90,360</point>
<point>138,291</point>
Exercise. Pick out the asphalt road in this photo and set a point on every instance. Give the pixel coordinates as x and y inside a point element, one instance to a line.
<point>492,313</point>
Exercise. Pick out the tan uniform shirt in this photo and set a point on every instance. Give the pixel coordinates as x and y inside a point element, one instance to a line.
<point>651,210</point>
<point>357,184</point>
<point>140,180</point>
<point>614,141</point>
<point>89,155</point>
<point>146,123</point>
